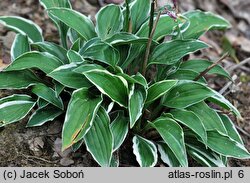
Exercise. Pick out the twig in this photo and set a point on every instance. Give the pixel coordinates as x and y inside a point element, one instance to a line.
<point>101,3</point>
<point>243,131</point>
<point>151,20</point>
<point>230,69</point>
<point>228,85</point>
<point>211,67</point>
<point>37,158</point>
<point>127,18</point>
<point>145,63</point>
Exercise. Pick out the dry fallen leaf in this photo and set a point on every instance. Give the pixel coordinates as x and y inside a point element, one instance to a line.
<point>2,65</point>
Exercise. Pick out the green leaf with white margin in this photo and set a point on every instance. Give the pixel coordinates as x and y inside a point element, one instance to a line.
<point>220,100</point>
<point>172,134</point>
<point>18,79</point>
<point>208,117</point>
<point>145,151</point>
<point>42,103</point>
<point>99,139</point>
<point>119,128</point>
<point>109,20</point>
<point>14,108</point>
<point>77,145</point>
<point>186,74</point>
<point>115,87</point>
<point>43,61</point>
<point>164,27</point>
<point>186,94</point>
<point>19,46</point>
<point>76,46</point>
<point>23,26</point>
<point>171,52</point>
<point>75,20</point>
<point>65,75</point>
<point>137,97</point>
<point>167,156</point>
<point>63,29</point>
<point>74,56</point>
<point>88,67</point>
<point>190,120</point>
<point>160,88</point>
<point>201,65</point>
<point>203,155</point>
<point>226,146</point>
<point>53,49</point>
<point>43,115</point>
<point>201,22</point>
<point>102,52</point>
<point>82,109</point>
<point>135,79</point>
<point>125,38</point>
<point>47,94</point>
<point>231,130</point>
<point>58,87</point>
<point>139,13</point>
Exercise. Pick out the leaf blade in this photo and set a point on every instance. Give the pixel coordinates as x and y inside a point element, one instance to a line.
<point>145,152</point>
<point>99,139</point>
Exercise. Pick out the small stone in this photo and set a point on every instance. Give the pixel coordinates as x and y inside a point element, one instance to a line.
<point>66,161</point>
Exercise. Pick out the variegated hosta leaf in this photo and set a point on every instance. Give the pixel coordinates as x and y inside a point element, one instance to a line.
<point>173,136</point>
<point>137,97</point>
<point>190,120</point>
<point>201,22</point>
<point>18,79</point>
<point>109,21</point>
<point>135,79</point>
<point>116,87</point>
<point>43,115</point>
<point>19,46</point>
<point>203,155</point>
<point>80,114</point>
<point>201,65</point>
<point>220,100</point>
<point>226,146</point>
<point>145,151</point>
<point>208,117</point>
<point>119,128</point>
<point>167,156</point>
<point>187,94</point>
<point>23,26</point>
<point>171,52</point>
<point>185,74</point>
<point>125,38</point>
<point>63,29</point>
<point>99,139</point>
<point>75,20</point>
<point>164,27</point>
<point>65,75</point>
<point>73,56</point>
<point>231,130</point>
<point>139,13</point>
<point>102,52</point>
<point>15,108</point>
<point>43,61</point>
<point>160,88</point>
<point>53,49</point>
<point>47,94</point>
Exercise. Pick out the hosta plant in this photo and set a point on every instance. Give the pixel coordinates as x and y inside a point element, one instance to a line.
<point>123,78</point>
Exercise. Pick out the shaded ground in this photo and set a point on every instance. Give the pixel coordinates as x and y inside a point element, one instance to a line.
<point>41,146</point>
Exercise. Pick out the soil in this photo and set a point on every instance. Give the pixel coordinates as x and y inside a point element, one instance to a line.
<point>20,146</point>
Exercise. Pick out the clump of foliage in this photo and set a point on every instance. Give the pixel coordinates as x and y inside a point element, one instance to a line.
<point>123,75</point>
